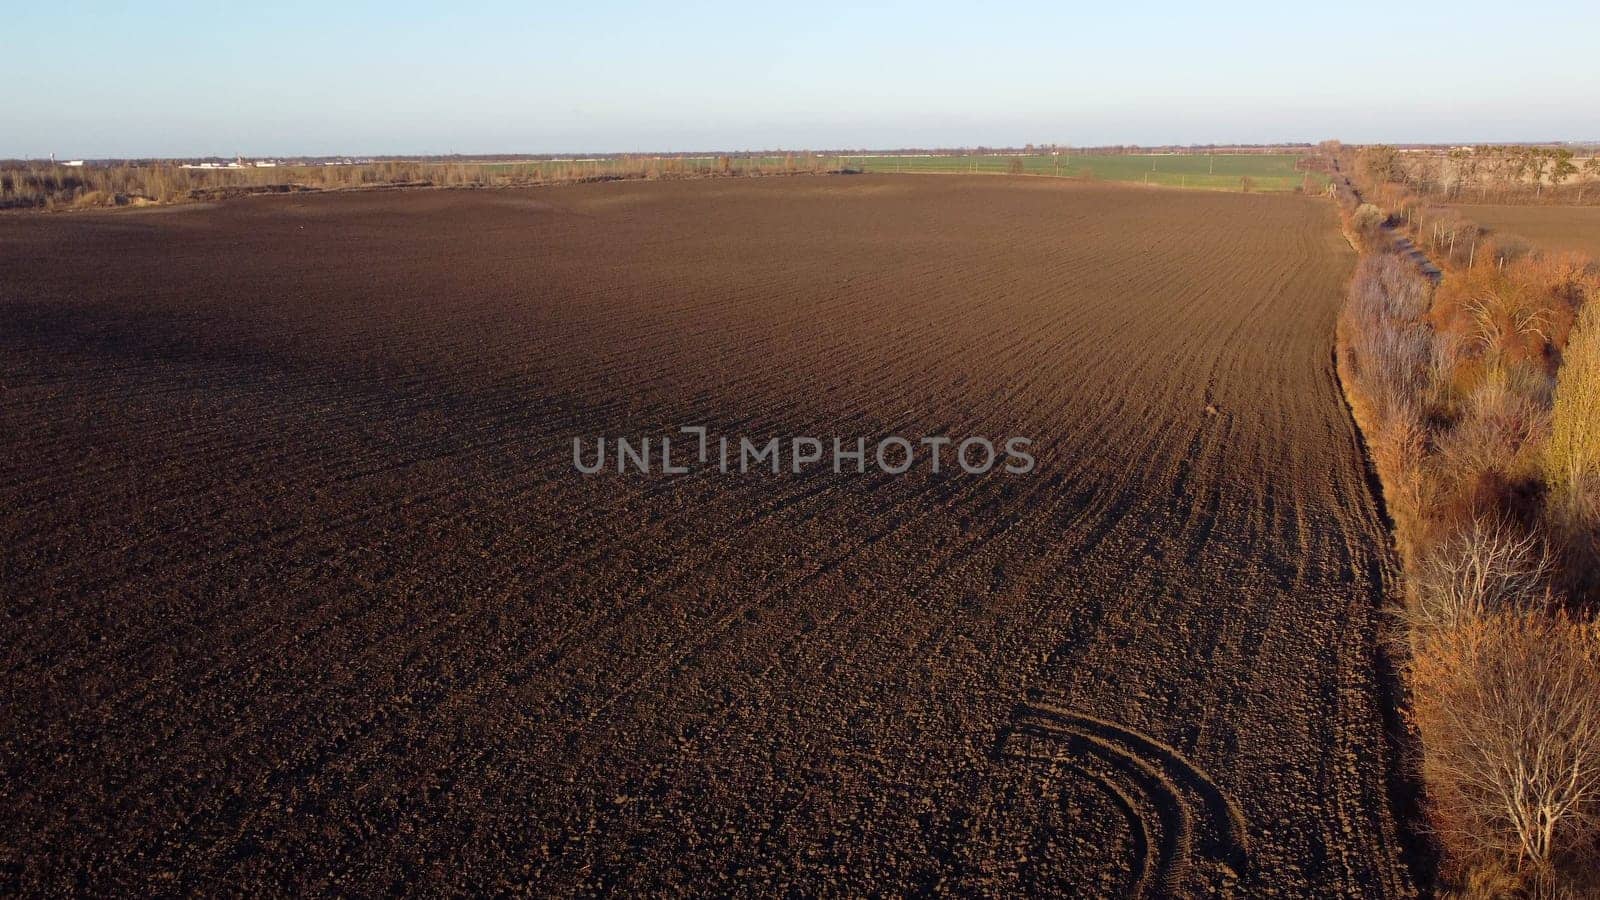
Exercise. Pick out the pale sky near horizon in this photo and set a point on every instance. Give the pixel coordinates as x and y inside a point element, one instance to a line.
<point>180,79</point>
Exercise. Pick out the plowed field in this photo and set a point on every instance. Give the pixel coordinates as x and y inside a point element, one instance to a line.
<point>1546,227</point>
<point>302,591</point>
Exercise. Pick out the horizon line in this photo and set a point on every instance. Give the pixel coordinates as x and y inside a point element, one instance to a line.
<point>578,155</point>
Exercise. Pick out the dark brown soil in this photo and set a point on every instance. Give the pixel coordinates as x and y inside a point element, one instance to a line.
<point>302,591</point>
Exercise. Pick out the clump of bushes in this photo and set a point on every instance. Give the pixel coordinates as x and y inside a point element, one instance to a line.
<point>1388,343</point>
<point>1479,397</point>
<point>1365,224</point>
<point>1386,350</point>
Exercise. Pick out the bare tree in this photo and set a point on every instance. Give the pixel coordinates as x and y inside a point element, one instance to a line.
<point>1509,710</point>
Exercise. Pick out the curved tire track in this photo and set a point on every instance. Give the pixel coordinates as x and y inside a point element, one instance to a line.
<point>1193,815</point>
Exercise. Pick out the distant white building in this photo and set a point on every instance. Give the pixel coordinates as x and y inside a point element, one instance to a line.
<point>75,163</point>
<point>236,164</point>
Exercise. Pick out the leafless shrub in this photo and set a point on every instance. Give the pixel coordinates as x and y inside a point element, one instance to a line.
<point>1390,349</point>
<point>1391,364</point>
<point>1509,711</point>
<point>1483,569</point>
<point>1399,451</point>
<point>1387,288</point>
<point>1532,383</point>
<point>1502,425</point>
<point>1387,353</point>
<point>1500,320</point>
<point>1367,226</point>
<point>1446,397</point>
<point>1367,220</point>
<point>1470,453</point>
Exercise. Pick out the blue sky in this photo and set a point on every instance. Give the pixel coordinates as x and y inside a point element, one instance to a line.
<point>186,79</point>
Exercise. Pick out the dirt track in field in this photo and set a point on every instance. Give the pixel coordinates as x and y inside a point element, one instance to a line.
<point>301,588</point>
<point>1546,227</point>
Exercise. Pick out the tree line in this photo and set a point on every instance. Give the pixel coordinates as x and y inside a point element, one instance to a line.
<point>1487,172</point>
